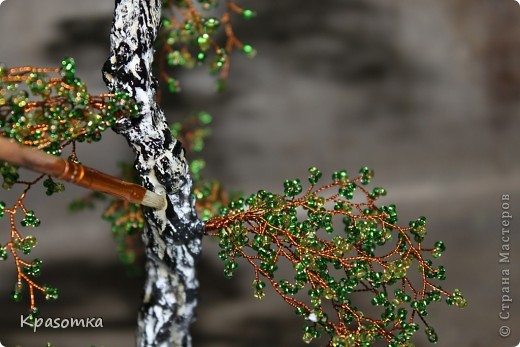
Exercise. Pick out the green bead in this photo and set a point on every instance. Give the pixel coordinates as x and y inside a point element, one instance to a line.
<point>204,42</point>
<point>259,294</point>
<point>205,118</point>
<point>3,254</point>
<point>366,175</point>
<point>30,220</point>
<point>401,314</point>
<point>68,64</point>
<point>377,192</point>
<point>439,249</point>
<point>34,268</point>
<point>196,167</point>
<point>307,338</point>
<point>10,175</point>
<point>229,269</point>
<point>440,245</point>
<point>16,296</point>
<point>28,243</point>
<point>33,314</point>
<point>432,335</point>
<point>176,58</point>
<point>461,303</point>
<point>212,23</point>
<point>340,176</point>
<point>166,23</point>
<point>249,50</point>
<point>257,284</point>
<point>173,85</point>
<point>51,293</point>
<point>53,187</point>
<point>315,175</point>
<point>68,70</point>
<point>201,56</point>
<point>292,187</point>
<point>248,14</point>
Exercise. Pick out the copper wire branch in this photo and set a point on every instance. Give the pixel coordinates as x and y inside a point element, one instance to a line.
<point>78,174</point>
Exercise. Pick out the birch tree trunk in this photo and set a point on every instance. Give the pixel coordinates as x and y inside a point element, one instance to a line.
<point>172,236</point>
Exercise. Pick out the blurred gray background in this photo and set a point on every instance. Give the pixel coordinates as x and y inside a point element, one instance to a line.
<point>425,92</point>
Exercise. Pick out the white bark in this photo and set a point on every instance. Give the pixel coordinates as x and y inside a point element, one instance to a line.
<point>172,236</point>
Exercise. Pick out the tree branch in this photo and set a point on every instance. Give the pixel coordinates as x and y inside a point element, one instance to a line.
<point>172,236</point>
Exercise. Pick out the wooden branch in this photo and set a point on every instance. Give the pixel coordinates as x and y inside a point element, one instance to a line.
<point>41,162</point>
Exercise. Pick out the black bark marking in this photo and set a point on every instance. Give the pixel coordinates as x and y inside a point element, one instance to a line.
<point>172,237</point>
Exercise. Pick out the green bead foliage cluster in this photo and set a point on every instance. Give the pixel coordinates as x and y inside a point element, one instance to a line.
<point>192,132</point>
<point>45,111</point>
<point>190,36</point>
<point>27,272</point>
<point>338,243</point>
<point>127,223</point>
<point>125,218</point>
<point>47,108</point>
<point>209,193</point>
<point>49,112</point>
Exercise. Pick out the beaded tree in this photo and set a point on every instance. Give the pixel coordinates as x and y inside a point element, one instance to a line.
<point>334,235</point>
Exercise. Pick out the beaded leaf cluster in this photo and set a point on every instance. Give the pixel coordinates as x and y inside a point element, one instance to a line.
<point>50,109</point>
<point>190,36</point>
<point>339,244</point>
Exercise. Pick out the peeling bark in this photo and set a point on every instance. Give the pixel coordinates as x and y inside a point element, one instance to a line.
<point>172,236</point>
